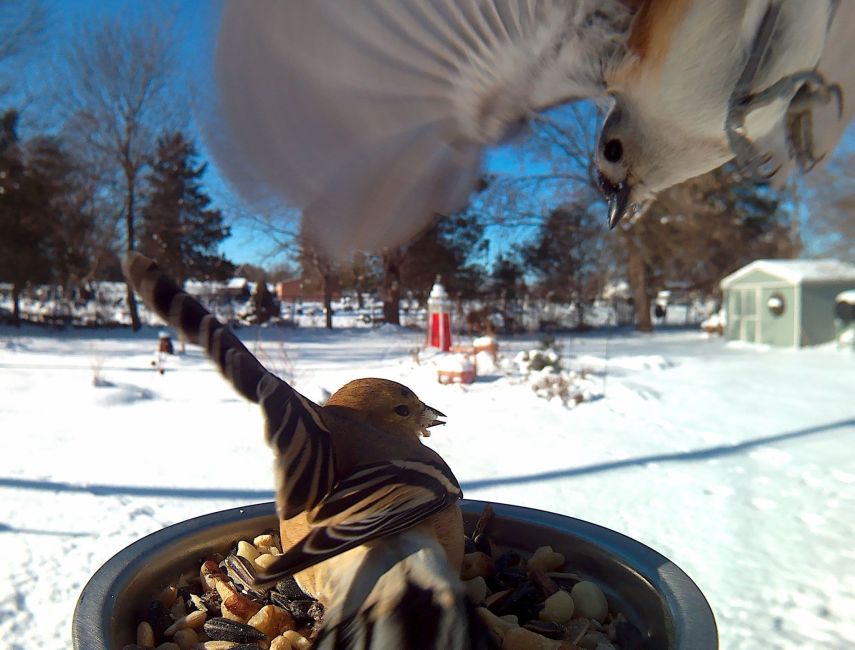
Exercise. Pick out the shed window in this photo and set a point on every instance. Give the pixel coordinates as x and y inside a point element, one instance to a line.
<point>776,304</point>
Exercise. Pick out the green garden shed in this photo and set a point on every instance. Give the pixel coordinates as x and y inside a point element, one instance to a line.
<point>785,302</point>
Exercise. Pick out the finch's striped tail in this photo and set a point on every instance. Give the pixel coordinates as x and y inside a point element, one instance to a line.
<point>294,426</point>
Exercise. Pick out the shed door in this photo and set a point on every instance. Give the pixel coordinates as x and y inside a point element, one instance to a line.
<point>743,310</point>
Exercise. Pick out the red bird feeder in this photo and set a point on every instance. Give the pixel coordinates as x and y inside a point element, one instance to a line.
<point>439,318</point>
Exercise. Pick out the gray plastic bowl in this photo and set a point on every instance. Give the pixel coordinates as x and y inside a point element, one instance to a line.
<point>653,592</point>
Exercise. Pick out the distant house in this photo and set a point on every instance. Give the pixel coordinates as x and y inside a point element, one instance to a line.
<point>785,302</point>
<point>300,290</point>
<point>210,290</point>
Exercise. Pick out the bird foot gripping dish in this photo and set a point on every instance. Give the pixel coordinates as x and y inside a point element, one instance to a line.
<point>525,601</point>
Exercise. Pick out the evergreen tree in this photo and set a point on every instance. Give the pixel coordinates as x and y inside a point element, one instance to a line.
<point>23,205</point>
<point>567,255</point>
<point>450,249</point>
<point>81,234</point>
<point>179,228</point>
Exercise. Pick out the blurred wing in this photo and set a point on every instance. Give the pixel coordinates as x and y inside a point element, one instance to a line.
<point>378,500</point>
<point>371,116</point>
<point>401,593</point>
<point>294,428</point>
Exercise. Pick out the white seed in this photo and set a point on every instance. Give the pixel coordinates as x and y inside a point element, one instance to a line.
<point>545,559</point>
<point>168,596</point>
<point>178,609</point>
<point>198,603</point>
<point>558,608</point>
<point>186,638</point>
<point>145,634</point>
<point>590,601</point>
<point>476,589</point>
<point>193,619</point>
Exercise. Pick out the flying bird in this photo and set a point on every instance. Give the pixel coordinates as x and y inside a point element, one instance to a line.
<point>369,516</point>
<point>709,81</point>
<point>371,117</point>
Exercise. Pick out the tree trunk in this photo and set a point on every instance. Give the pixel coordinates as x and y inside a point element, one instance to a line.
<point>638,285</point>
<point>392,286</point>
<point>129,222</point>
<point>16,304</point>
<point>328,281</point>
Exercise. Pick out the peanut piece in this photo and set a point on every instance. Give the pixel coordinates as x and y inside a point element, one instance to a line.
<point>297,641</point>
<point>236,606</point>
<point>272,620</point>
<point>247,550</point>
<point>280,643</point>
<point>264,560</point>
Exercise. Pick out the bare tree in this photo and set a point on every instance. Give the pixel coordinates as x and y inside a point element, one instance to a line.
<point>319,269</point>
<point>117,103</point>
<point>21,25</point>
<point>831,199</point>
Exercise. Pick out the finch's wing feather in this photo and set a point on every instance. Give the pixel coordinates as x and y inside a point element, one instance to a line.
<point>370,116</point>
<point>294,427</point>
<point>377,500</point>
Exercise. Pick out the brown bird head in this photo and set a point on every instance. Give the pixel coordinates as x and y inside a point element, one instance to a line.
<point>387,405</point>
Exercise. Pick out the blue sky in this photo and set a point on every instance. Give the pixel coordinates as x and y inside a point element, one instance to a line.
<point>194,23</point>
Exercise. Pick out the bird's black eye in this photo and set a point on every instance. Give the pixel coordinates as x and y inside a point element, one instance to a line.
<point>402,410</point>
<point>613,150</point>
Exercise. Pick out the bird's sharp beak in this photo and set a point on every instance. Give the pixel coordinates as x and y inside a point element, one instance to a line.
<point>618,200</point>
<point>430,419</point>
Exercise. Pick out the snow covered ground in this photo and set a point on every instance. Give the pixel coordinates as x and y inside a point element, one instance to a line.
<point>736,462</point>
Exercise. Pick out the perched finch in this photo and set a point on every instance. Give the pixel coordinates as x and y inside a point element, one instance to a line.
<point>370,521</point>
<point>371,117</point>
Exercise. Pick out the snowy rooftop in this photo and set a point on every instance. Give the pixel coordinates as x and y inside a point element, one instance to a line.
<point>797,271</point>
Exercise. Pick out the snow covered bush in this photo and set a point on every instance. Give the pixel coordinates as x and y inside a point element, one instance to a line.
<point>541,369</point>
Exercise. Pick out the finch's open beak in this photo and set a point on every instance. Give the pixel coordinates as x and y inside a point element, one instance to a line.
<point>429,419</point>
